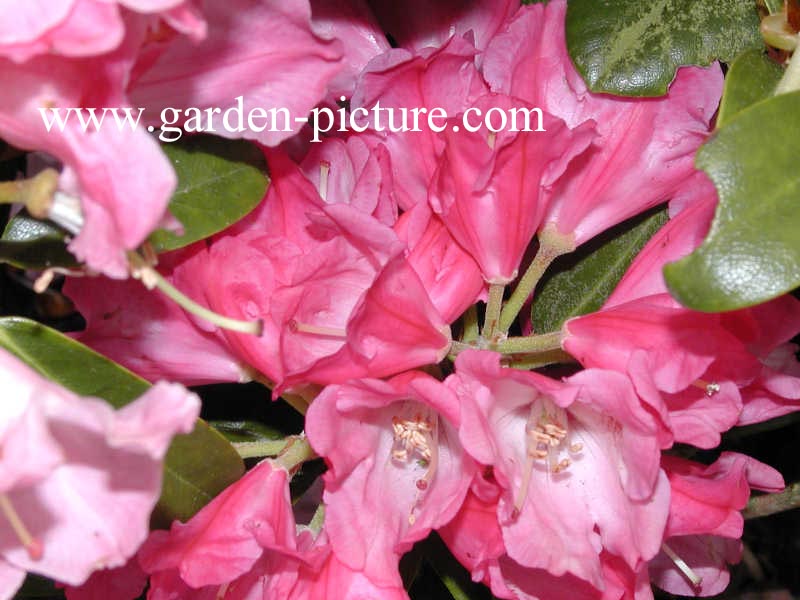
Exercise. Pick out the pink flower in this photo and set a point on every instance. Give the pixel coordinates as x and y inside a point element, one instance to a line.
<point>80,28</point>
<point>450,275</point>
<point>122,583</point>
<point>394,460</point>
<point>148,333</point>
<point>646,145</point>
<point>264,52</point>
<point>82,500</point>
<point>337,298</point>
<point>443,78</point>
<point>577,462</point>
<point>705,522</point>
<point>492,193</point>
<point>226,538</point>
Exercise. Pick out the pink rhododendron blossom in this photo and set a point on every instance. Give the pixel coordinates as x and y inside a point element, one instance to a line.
<point>424,23</point>
<point>337,298</point>
<point>492,193</point>
<point>226,538</point>
<point>578,463</point>
<point>450,275</point>
<point>264,53</point>
<point>445,78</point>
<point>79,479</point>
<point>705,522</point>
<point>150,334</point>
<point>396,467</point>
<point>646,145</point>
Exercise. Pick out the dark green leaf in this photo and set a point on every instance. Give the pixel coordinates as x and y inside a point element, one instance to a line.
<point>198,466</point>
<point>454,576</point>
<point>29,243</point>
<point>582,281</point>
<point>752,252</point>
<point>219,182</point>
<point>634,48</point>
<point>751,78</point>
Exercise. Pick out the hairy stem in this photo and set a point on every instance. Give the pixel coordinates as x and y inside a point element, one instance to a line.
<point>532,344</point>
<point>493,307</point>
<point>259,449</point>
<point>769,504</point>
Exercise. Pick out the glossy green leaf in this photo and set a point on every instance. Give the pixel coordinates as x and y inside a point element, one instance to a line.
<point>219,182</point>
<point>751,78</point>
<point>29,243</point>
<point>198,466</point>
<point>633,48</point>
<point>752,252</point>
<point>582,281</point>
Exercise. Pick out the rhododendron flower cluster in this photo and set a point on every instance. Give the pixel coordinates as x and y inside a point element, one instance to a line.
<point>380,287</point>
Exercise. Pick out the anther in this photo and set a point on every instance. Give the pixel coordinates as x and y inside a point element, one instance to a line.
<point>31,544</point>
<point>709,388</point>
<point>693,577</point>
<point>324,171</point>
<point>298,327</point>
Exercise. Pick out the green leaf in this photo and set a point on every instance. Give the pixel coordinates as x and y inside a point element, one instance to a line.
<point>633,48</point>
<point>197,467</point>
<point>752,252</point>
<point>219,182</point>
<point>751,78</point>
<point>29,243</point>
<point>582,281</point>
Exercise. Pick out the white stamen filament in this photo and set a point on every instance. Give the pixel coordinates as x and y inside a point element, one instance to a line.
<point>693,577</point>
<point>324,171</point>
<point>66,212</point>
<point>31,544</point>
<point>298,327</point>
<point>492,139</point>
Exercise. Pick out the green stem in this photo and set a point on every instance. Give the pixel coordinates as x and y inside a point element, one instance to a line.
<point>259,449</point>
<point>532,344</point>
<point>551,245</point>
<point>790,82</point>
<point>297,451</point>
<point>471,331</point>
<point>540,359</point>
<point>153,279</point>
<point>317,520</point>
<point>769,504</point>
<point>493,307</point>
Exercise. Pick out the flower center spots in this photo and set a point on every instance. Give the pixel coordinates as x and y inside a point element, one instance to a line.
<point>31,544</point>
<point>546,437</point>
<point>417,438</point>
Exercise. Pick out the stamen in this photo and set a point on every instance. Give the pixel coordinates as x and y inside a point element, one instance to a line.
<point>31,544</point>
<point>324,170</point>
<point>418,436</point>
<point>709,388</point>
<point>151,278</point>
<point>65,210</point>
<point>693,577</point>
<point>492,139</point>
<point>298,327</point>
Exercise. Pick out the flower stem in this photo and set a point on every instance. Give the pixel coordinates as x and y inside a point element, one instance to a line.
<point>259,449</point>
<point>531,344</point>
<point>493,307</point>
<point>317,520</point>
<point>769,504</point>
<point>539,359</point>
<point>471,331</point>
<point>296,452</point>
<point>153,279</point>
<point>551,245</point>
<point>35,193</point>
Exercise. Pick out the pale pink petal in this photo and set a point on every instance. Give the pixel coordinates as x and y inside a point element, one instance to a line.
<point>264,52</point>
<point>708,556</point>
<point>11,579</point>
